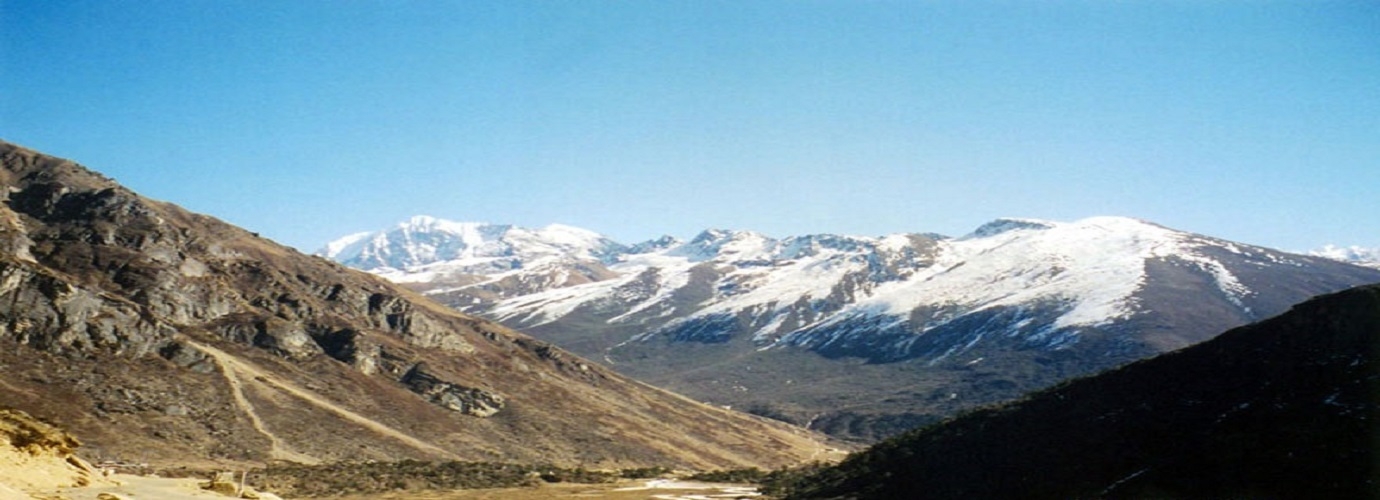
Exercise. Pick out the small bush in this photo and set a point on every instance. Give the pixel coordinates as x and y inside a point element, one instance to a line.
<point>644,473</point>
<point>748,475</point>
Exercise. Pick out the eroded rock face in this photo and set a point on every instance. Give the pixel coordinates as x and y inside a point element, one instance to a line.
<point>466,400</point>
<point>188,357</point>
<point>42,310</point>
<point>398,315</point>
<point>353,347</point>
<point>285,338</point>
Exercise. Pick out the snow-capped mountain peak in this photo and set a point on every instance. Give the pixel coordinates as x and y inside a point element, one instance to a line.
<point>722,243</point>
<point>1048,282</point>
<point>424,248</point>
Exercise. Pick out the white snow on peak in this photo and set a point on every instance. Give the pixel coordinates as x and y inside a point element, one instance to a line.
<point>424,248</point>
<point>1089,270</point>
<point>1361,256</point>
<point>571,237</point>
<point>721,243</point>
<point>348,245</point>
<point>761,271</point>
<point>1094,266</point>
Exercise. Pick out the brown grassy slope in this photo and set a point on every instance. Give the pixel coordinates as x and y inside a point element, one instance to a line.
<point>155,333</point>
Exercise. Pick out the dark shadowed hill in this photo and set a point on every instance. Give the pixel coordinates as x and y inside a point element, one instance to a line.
<point>159,335</point>
<point>1285,408</point>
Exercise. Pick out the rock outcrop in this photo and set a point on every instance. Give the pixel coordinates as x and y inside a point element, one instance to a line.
<point>466,400</point>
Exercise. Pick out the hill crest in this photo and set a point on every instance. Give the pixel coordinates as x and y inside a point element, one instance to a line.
<point>149,330</point>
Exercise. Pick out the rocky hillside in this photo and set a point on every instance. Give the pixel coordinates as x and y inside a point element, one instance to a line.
<point>857,336</point>
<point>164,336</point>
<point>1285,408</point>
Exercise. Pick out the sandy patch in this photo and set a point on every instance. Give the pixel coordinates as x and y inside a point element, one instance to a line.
<point>35,456</point>
<point>141,488</point>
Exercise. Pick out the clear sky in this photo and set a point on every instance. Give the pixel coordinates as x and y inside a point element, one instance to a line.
<point>1257,121</point>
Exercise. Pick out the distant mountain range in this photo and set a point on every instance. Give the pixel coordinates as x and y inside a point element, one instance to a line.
<point>158,335</point>
<point>1285,408</point>
<point>858,336</point>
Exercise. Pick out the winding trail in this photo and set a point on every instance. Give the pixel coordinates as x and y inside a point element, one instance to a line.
<point>278,448</point>
<point>232,367</point>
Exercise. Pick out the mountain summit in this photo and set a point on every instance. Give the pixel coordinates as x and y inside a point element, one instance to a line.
<point>821,329</point>
<point>469,246</point>
<point>159,335</point>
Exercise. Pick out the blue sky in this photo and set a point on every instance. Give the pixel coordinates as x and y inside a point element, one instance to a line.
<point>308,120</point>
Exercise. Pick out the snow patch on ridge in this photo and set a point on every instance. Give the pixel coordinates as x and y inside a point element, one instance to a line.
<point>425,248</point>
<point>1361,256</point>
<point>346,247</point>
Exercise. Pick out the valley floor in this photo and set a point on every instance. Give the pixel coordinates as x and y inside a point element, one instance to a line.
<point>153,488</point>
<point>655,489</point>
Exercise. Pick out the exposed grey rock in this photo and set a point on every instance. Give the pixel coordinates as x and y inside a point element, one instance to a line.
<point>467,400</point>
<point>175,411</point>
<point>285,339</point>
<point>353,347</point>
<point>187,357</point>
<point>43,311</point>
<point>393,313</point>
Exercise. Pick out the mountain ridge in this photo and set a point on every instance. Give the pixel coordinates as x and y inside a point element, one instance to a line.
<point>1102,294</point>
<point>1024,302</point>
